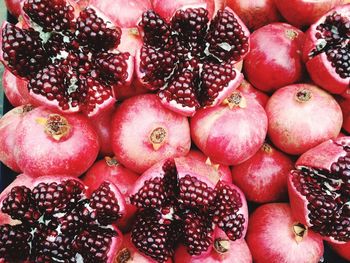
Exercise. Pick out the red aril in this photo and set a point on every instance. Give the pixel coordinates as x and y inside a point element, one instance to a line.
<point>319,189</point>
<point>345,106</point>
<point>144,132</point>
<point>275,57</point>
<point>263,177</point>
<point>255,13</point>
<point>8,129</point>
<point>50,143</point>
<point>301,13</point>
<point>342,249</point>
<point>212,132</point>
<point>55,219</point>
<point>302,116</point>
<point>247,89</point>
<point>326,50</point>
<point>274,236</point>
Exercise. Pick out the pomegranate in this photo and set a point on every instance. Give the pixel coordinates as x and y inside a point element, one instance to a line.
<point>263,177</point>
<point>319,189</point>
<point>345,106</point>
<point>8,128</point>
<point>52,219</point>
<point>73,63</point>
<point>275,58</point>
<point>14,7</point>
<point>301,116</point>
<point>212,131</point>
<point>326,50</point>
<point>189,60</point>
<point>224,251</point>
<point>144,132</point>
<point>342,249</point>
<point>301,13</point>
<point>176,204</point>
<point>255,13</point>
<point>275,237</point>
<point>247,89</point>
<point>49,143</point>
<point>109,169</point>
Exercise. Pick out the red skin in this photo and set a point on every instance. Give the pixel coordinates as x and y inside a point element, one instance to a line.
<point>255,13</point>
<point>38,153</point>
<point>134,122</point>
<point>14,7</point>
<point>271,238</point>
<point>302,13</point>
<point>238,252</point>
<point>8,129</point>
<point>212,132</point>
<point>345,106</point>
<point>295,125</point>
<point>263,178</point>
<point>108,169</point>
<point>247,89</point>
<point>342,249</point>
<point>275,58</point>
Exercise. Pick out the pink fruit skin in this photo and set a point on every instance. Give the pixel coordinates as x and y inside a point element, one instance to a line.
<point>305,12</point>
<point>342,249</point>
<point>247,89</point>
<point>133,123</point>
<point>275,58</point>
<point>255,13</point>
<point>295,126</point>
<point>213,133</point>
<point>108,169</point>
<point>271,240</point>
<point>345,106</point>
<point>39,154</point>
<point>263,178</point>
<point>15,89</point>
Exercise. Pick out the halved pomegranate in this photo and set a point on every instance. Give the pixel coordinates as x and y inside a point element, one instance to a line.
<point>319,189</point>
<point>179,205</point>
<point>189,61</point>
<point>69,56</point>
<point>327,48</point>
<point>53,220</point>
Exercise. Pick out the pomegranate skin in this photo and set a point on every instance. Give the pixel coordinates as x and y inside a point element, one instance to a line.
<point>345,106</point>
<point>302,13</point>
<point>271,239</point>
<point>212,131</point>
<point>247,89</point>
<point>263,177</point>
<point>275,57</point>
<point>255,13</point>
<point>14,7</point>
<point>342,249</point>
<point>15,89</point>
<point>301,116</point>
<point>144,132</point>
<point>70,147</point>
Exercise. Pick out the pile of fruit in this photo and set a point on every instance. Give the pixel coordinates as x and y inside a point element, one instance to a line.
<point>142,130</point>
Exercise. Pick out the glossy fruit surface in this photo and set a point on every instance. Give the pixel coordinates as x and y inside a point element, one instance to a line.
<point>247,89</point>
<point>342,249</point>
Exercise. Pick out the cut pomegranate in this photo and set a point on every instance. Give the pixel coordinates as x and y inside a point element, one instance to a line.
<point>327,48</point>
<point>176,204</point>
<point>189,61</point>
<point>319,189</point>
<point>342,249</point>
<point>53,220</point>
<point>68,56</point>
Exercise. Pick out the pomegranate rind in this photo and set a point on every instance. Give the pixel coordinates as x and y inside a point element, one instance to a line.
<point>342,249</point>
<point>15,89</point>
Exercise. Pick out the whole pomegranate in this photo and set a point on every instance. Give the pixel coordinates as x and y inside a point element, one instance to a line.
<point>109,169</point>
<point>301,13</point>
<point>345,106</point>
<point>8,129</point>
<point>73,63</point>
<point>301,116</point>
<point>144,132</point>
<point>319,189</point>
<point>224,251</point>
<point>255,13</point>
<point>275,237</point>
<point>275,58</point>
<point>213,133</point>
<point>342,249</point>
<point>263,177</point>
<point>50,143</point>
<point>326,50</point>
<point>50,219</point>
<point>189,60</point>
<point>176,204</point>
<point>247,89</point>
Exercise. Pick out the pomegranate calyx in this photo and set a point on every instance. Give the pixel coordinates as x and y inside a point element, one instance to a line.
<point>212,164</point>
<point>236,99</point>
<point>55,126</point>
<point>300,231</point>
<point>158,137</point>
<point>111,161</point>
<point>303,95</point>
<point>266,147</point>
<point>291,34</point>
<point>221,245</point>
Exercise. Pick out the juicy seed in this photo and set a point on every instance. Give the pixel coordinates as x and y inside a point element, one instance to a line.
<point>51,15</point>
<point>93,31</point>
<point>22,50</point>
